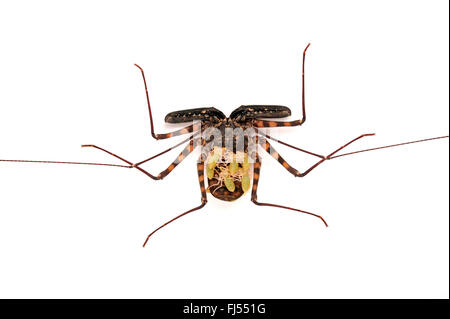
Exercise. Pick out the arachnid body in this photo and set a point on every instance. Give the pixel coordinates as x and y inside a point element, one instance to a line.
<point>230,147</point>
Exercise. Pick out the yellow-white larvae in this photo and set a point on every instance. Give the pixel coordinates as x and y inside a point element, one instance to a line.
<point>228,169</point>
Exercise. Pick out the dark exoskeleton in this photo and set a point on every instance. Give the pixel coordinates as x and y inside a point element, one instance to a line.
<point>229,148</point>
<point>228,138</point>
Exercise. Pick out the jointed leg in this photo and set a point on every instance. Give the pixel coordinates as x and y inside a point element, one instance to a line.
<point>288,145</point>
<point>263,123</point>
<point>329,156</point>
<point>167,150</point>
<point>188,149</point>
<point>269,149</point>
<point>110,153</point>
<point>187,129</point>
<point>256,172</point>
<point>272,152</point>
<point>201,179</point>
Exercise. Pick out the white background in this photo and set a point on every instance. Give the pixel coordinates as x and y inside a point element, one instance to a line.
<point>67,78</point>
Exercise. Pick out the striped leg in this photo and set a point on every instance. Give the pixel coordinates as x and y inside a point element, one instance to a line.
<point>169,149</point>
<point>269,149</point>
<point>201,179</point>
<point>288,145</point>
<point>187,129</point>
<point>256,172</point>
<point>263,123</point>
<point>272,152</point>
<point>188,149</point>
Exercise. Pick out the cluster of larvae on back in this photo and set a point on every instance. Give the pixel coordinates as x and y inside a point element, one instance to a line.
<point>228,169</point>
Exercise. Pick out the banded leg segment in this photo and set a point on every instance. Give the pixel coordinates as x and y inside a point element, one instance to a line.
<point>167,150</point>
<point>185,130</point>
<point>288,145</point>
<point>263,123</point>
<point>201,179</point>
<point>187,150</point>
<point>272,152</point>
<point>256,173</point>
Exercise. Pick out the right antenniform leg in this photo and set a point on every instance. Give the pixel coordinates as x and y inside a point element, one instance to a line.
<point>269,148</point>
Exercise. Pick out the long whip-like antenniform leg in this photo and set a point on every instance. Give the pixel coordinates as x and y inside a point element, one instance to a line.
<point>350,153</point>
<point>256,172</point>
<point>269,148</point>
<point>387,146</point>
<point>201,179</point>
<point>55,162</point>
<point>186,130</point>
<point>164,173</point>
<point>264,123</point>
